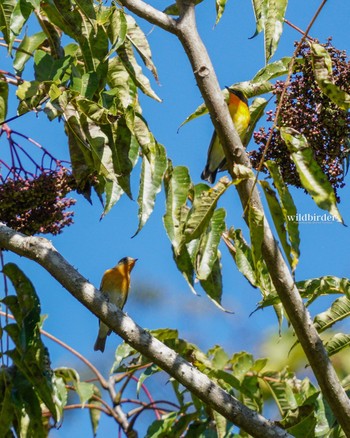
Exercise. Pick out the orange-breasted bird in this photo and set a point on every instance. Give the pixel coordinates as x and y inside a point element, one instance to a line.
<point>115,284</point>
<point>239,110</point>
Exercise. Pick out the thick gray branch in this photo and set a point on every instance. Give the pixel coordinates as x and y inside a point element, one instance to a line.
<point>42,251</point>
<point>280,274</point>
<point>151,14</point>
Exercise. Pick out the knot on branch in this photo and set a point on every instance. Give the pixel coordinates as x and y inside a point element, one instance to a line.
<point>203,71</point>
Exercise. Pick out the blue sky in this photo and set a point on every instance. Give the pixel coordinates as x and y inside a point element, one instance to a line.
<point>160,296</point>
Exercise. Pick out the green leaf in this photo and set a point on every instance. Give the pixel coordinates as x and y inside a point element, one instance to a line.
<point>220,9</point>
<point>88,9</point>
<point>208,249</point>
<point>127,57</point>
<point>28,312</point>
<point>113,192</point>
<point>154,165</point>
<point>30,355</point>
<point>122,352</point>
<point>184,264</point>
<point>95,414</point>
<point>322,66</point>
<point>85,390</point>
<point>148,372</point>
<point>162,428</point>
<point>310,173</point>
<point>53,35</point>
<point>278,220</point>
<point>139,41</point>
<point>204,204</point>
<point>273,70</point>
<point>93,44</point>
<point>220,424</point>
<point>256,228</point>
<point>121,83</point>
<point>274,24</point>
<point>259,7</point>
<point>337,343</point>
<point>213,285</point>
<point>269,16</point>
<point>177,183</point>
<point>326,285</point>
<point>281,387</point>
<point>6,9</point>
<point>339,310</point>
<point>49,69</point>
<point>20,15</point>
<point>4,92</point>
<point>288,210</point>
<point>117,29</point>
<point>241,254</point>
<point>26,49</point>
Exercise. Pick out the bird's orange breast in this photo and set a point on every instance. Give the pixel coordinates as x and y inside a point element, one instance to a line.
<point>116,280</point>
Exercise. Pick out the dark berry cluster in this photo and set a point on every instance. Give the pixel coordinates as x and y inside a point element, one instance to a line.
<point>306,109</point>
<point>37,204</point>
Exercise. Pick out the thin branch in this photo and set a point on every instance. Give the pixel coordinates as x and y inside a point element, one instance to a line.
<point>43,252</point>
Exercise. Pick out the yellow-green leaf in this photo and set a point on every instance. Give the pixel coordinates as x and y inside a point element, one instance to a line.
<point>310,173</point>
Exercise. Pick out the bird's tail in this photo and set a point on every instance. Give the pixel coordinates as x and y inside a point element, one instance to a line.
<point>100,344</point>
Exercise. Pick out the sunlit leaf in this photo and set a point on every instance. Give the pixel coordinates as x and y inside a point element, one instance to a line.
<point>256,228</point>
<point>4,92</point>
<point>289,211</point>
<point>273,70</point>
<point>339,310</point>
<point>27,46</point>
<point>220,9</point>
<point>281,389</point>
<point>278,219</point>
<point>310,173</point>
<point>148,372</point>
<point>204,204</point>
<point>241,253</point>
<point>127,57</point>
<point>213,285</point>
<point>30,355</point>
<point>20,15</point>
<point>6,9</point>
<point>337,343</point>
<point>322,66</point>
<point>95,414</point>
<point>326,285</point>
<point>139,41</point>
<point>177,184</point>
<point>154,165</point>
<point>208,249</point>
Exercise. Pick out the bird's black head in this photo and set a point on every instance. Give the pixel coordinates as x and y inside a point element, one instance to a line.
<point>127,261</point>
<point>239,93</point>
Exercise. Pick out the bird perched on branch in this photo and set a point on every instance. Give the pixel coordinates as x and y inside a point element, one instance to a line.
<point>115,285</point>
<point>239,110</point>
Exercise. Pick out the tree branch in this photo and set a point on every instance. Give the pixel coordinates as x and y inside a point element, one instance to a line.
<point>151,14</point>
<point>43,252</point>
<point>280,274</point>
